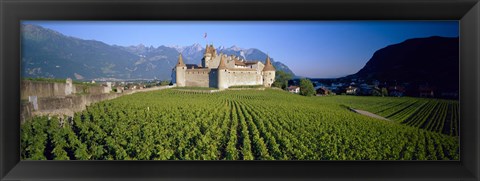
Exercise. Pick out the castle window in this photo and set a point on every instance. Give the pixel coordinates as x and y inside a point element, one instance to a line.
<point>270,73</point>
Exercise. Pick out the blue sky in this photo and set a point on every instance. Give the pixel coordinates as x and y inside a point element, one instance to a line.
<point>317,49</point>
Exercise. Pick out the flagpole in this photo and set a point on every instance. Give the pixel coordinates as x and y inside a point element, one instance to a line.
<point>206,40</point>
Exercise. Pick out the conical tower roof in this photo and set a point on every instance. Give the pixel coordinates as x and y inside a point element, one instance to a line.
<point>180,61</point>
<point>209,49</point>
<point>268,65</point>
<point>222,64</point>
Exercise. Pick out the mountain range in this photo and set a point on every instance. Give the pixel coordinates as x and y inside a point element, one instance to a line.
<point>48,53</point>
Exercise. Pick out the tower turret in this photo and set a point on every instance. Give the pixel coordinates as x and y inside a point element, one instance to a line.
<point>209,55</point>
<point>222,74</point>
<point>180,70</point>
<point>268,73</point>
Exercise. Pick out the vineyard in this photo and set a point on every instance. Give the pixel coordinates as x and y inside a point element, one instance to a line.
<point>243,125</point>
<point>435,115</point>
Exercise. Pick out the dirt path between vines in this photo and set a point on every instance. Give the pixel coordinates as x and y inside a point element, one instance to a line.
<point>366,113</point>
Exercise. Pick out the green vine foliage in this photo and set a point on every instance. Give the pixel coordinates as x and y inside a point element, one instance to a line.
<point>247,125</point>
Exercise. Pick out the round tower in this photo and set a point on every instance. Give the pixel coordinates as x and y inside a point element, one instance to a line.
<point>268,73</point>
<point>222,74</point>
<point>180,70</point>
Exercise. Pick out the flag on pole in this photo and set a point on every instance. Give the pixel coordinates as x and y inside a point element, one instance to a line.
<point>205,35</point>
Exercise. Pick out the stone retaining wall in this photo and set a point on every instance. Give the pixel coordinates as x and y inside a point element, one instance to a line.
<point>68,105</point>
<point>53,89</point>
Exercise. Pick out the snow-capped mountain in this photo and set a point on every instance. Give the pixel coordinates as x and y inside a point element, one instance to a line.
<point>192,49</point>
<point>90,59</point>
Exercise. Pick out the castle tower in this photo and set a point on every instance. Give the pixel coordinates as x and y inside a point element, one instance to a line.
<point>268,73</point>
<point>207,56</point>
<point>180,70</point>
<point>210,53</point>
<point>222,74</point>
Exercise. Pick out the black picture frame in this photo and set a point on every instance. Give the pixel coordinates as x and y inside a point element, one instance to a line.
<point>467,12</point>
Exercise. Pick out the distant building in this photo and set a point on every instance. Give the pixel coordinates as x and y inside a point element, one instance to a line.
<point>294,89</point>
<point>321,91</point>
<point>351,90</point>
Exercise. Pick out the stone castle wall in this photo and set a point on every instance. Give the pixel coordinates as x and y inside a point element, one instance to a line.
<point>68,105</point>
<point>236,77</point>
<point>41,89</point>
<point>209,78</point>
<point>247,73</point>
<point>197,78</point>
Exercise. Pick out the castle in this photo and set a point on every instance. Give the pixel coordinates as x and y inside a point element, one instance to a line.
<point>222,71</point>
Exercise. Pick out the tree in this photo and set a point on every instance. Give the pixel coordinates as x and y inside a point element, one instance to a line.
<point>384,92</point>
<point>165,82</point>
<point>306,87</point>
<point>376,91</point>
<point>281,79</point>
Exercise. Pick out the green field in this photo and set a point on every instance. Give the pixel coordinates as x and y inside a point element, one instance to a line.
<point>436,115</point>
<point>246,125</point>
